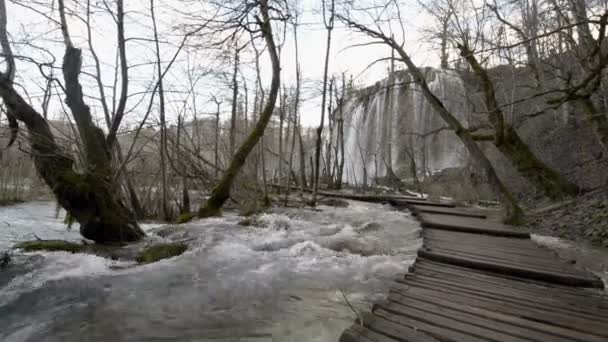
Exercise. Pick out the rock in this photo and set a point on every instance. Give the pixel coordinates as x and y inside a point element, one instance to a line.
<point>5,260</point>
<point>185,217</point>
<point>168,231</point>
<point>253,221</point>
<point>160,251</point>
<point>334,202</point>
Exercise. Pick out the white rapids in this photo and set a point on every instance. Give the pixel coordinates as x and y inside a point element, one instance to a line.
<point>282,279</point>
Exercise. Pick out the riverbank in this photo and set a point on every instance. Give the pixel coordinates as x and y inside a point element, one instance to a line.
<point>581,219</point>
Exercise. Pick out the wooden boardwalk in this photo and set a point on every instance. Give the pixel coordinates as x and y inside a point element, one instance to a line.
<point>479,280</point>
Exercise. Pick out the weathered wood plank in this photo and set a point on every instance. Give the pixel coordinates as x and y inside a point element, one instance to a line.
<point>595,299</point>
<point>419,201</point>
<point>514,270</point>
<point>417,209</point>
<point>358,333</point>
<point>505,296</point>
<point>438,318</point>
<point>511,259</point>
<point>437,331</point>
<point>492,319</point>
<point>470,225</point>
<point>505,304</point>
<point>384,325</point>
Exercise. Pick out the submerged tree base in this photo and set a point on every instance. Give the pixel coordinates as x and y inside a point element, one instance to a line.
<point>160,251</point>
<point>146,255</point>
<point>52,246</point>
<point>209,211</point>
<point>185,217</point>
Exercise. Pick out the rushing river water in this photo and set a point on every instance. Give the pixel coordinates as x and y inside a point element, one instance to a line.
<point>280,280</point>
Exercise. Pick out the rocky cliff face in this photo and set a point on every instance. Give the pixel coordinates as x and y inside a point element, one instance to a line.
<point>389,122</point>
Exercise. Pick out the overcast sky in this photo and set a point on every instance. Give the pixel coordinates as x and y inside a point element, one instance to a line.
<point>38,30</point>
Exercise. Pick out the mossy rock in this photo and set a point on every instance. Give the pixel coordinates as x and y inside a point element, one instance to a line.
<point>205,212</point>
<point>52,246</point>
<point>10,201</point>
<point>185,217</point>
<point>161,251</point>
<point>253,221</point>
<point>334,202</point>
<point>250,208</point>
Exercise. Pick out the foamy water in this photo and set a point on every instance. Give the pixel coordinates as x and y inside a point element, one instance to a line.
<point>279,280</point>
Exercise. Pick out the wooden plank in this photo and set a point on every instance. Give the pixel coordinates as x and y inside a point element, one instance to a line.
<point>483,239</point>
<point>392,329</point>
<point>440,332</point>
<point>506,296</point>
<point>472,327</point>
<point>492,283</point>
<point>491,319</point>
<point>358,333</point>
<point>471,225</point>
<point>410,202</point>
<point>471,248</point>
<point>511,259</point>
<point>526,247</point>
<point>504,304</point>
<point>417,209</point>
<point>371,198</point>
<point>525,272</point>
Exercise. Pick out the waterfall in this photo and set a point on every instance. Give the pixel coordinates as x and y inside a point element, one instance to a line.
<point>378,133</point>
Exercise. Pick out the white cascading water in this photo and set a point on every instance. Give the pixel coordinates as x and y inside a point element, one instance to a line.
<point>377,134</point>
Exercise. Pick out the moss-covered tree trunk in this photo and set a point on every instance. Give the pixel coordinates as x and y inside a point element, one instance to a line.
<point>91,198</point>
<point>221,192</point>
<point>88,197</point>
<point>514,213</point>
<point>508,141</point>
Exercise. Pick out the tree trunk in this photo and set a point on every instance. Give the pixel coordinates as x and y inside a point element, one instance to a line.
<point>508,141</point>
<point>235,95</point>
<point>165,211</point>
<point>216,147</point>
<point>514,212</point>
<point>282,109</point>
<point>221,192</point>
<point>329,27</point>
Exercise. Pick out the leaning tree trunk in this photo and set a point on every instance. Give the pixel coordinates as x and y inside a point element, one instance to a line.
<point>90,197</point>
<point>508,141</point>
<point>221,192</point>
<point>514,212</point>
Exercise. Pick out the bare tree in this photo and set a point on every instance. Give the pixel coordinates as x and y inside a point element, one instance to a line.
<point>508,141</point>
<point>89,197</point>
<point>329,26</point>
<point>514,212</point>
<point>221,192</point>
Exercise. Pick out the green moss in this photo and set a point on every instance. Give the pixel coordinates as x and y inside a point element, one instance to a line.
<point>209,211</point>
<point>599,232</point>
<point>51,246</point>
<point>160,251</point>
<point>185,217</point>
<point>599,235</point>
<point>10,201</point>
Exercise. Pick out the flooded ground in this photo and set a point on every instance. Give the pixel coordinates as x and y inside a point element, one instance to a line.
<point>280,279</point>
